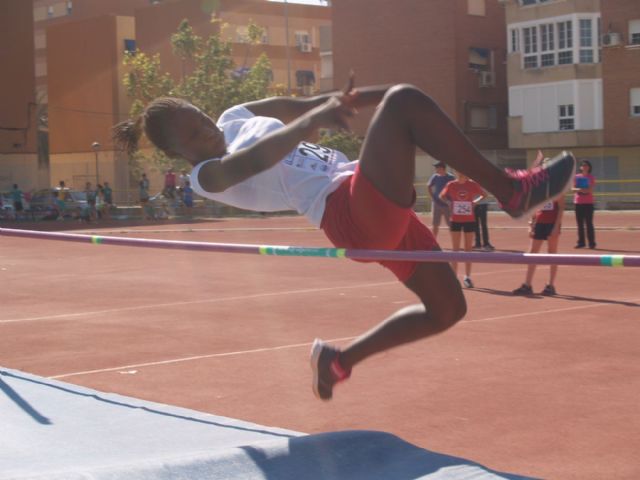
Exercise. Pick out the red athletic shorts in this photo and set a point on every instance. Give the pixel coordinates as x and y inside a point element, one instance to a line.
<point>357,215</point>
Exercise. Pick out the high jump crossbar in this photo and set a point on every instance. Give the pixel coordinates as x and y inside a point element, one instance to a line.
<point>608,260</point>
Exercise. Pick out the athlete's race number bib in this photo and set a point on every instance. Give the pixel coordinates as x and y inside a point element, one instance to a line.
<point>311,156</point>
<point>547,207</point>
<point>462,208</point>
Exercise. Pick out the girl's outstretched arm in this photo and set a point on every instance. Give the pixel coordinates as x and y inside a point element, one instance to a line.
<point>288,108</point>
<point>220,174</point>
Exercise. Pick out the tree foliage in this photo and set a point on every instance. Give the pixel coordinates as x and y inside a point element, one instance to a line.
<point>209,79</point>
<point>346,142</point>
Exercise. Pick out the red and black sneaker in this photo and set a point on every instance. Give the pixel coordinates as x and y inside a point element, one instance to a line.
<point>539,184</point>
<point>326,368</point>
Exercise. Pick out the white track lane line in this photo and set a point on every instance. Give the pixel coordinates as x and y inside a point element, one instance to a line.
<point>307,344</point>
<point>66,316</point>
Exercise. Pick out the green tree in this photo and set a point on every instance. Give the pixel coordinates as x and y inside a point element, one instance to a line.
<point>346,142</point>
<point>210,79</point>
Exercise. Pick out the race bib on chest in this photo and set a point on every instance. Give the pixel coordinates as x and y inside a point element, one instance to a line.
<point>312,157</point>
<point>462,208</point>
<point>547,207</point>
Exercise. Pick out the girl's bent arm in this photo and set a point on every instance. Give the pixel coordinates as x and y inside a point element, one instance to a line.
<point>271,149</point>
<point>288,108</point>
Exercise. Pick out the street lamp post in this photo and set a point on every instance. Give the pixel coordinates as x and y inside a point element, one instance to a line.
<point>286,35</point>
<point>96,146</point>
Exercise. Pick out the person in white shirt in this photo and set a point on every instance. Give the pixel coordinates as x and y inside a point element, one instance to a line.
<point>258,157</point>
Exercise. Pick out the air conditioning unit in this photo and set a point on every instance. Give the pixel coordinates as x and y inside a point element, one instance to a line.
<point>487,79</point>
<point>611,39</point>
<point>306,47</point>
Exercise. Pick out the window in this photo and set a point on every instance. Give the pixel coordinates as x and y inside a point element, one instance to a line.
<point>635,102</point>
<point>566,117</point>
<point>40,39</point>
<point>634,32</point>
<point>41,68</point>
<point>130,46</point>
<point>476,7</point>
<point>326,65</point>
<point>479,59</point>
<point>565,43</point>
<point>303,38</point>
<point>548,56</point>
<point>586,41</point>
<point>515,40</point>
<point>482,117</point>
<point>305,78</point>
<point>530,36</point>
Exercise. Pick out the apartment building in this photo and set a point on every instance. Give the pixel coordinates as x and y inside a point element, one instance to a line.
<point>453,50</point>
<point>47,13</point>
<point>574,81</point>
<point>24,117</point>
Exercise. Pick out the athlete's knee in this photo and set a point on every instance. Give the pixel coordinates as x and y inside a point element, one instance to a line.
<point>405,95</point>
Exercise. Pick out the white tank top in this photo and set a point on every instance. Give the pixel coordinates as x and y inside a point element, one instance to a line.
<point>301,181</point>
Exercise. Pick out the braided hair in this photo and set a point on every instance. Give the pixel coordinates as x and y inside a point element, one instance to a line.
<point>155,122</point>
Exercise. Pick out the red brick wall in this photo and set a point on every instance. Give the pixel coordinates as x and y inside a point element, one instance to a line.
<point>620,72</point>
<point>424,43</point>
<point>17,81</point>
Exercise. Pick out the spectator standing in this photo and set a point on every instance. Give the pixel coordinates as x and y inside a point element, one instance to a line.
<point>183,178</point>
<point>462,194</point>
<point>584,204</point>
<point>544,225</point>
<point>91,201</point>
<point>182,182</point>
<point>108,194</point>
<point>170,184</point>
<point>101,205</point>
<point>187,197</point>
<point>143,186</point>
<point>59,203</point>
<point>435,185</point>
<point>482,230</point>
<point>16,198</point>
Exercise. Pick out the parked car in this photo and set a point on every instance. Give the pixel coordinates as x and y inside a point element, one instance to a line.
<point>43,203</point>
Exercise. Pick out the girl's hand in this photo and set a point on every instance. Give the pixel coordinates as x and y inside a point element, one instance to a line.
<point>532,228</point>
<point>333,113</point>
<point>349,93</point>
